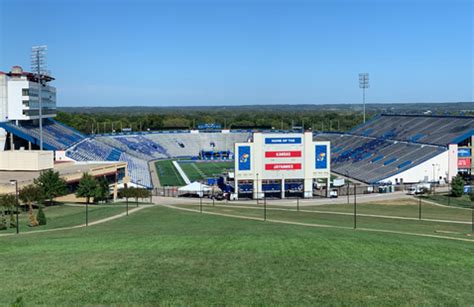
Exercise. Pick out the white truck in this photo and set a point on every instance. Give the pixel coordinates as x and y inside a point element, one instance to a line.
<point>419,188</point>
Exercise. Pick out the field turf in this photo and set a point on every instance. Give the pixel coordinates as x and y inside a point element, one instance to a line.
<point>202,170</point>
<point>168,174</point>
<point>172,257</point>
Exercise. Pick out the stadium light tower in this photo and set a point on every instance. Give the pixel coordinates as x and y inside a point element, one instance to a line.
<point>38,67</point>
<point>363,84</point>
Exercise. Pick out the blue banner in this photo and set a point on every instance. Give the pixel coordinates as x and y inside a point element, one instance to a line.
<point>244,158</point>
<point>464,152</point>
<point>321,157</point>
<point>209,126</point>
<point>282,140</point>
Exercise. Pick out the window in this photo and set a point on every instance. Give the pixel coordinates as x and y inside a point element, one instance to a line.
<point>26,103</point>
<point>25,92</point>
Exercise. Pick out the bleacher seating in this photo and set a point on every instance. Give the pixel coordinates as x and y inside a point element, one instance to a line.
<point>371,159</point>
<point>436,130</point>
<point>56,136</point>
<point>139,149</point>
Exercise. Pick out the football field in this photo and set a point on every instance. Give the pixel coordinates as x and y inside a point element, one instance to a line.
<point>195,170</point>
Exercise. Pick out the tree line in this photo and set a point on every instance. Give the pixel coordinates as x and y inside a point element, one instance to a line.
<point>48,186</point>
<point>239,118</point>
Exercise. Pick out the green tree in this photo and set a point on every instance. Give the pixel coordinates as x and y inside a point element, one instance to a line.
<point>41,217</point>
<point>102,190</point>
<point>51,185</point>
<point>457,186</point>
<point>8,202</point>
<point>126,193</point>
<point>30,194</point>
<point>87,187</point>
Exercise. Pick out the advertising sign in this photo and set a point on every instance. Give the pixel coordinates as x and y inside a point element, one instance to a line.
<point>244,158</point>
<point>283,140</point>
<point>283,154</point>
<point>464,152</point>
<point>464,163</point>
<point>282,166</point>
<point>321,157</point>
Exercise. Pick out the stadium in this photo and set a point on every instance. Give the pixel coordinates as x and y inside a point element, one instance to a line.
<point>386,150</point>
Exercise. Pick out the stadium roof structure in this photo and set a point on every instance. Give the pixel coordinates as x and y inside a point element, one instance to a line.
<point>389,144</point>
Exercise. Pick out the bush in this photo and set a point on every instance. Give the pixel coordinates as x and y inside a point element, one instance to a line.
<point>457,186</point>
<point>12,220</point>
<point>3,226</point>
<point>41,217</point>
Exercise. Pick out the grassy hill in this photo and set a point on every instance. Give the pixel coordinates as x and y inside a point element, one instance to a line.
<point>166,256</point>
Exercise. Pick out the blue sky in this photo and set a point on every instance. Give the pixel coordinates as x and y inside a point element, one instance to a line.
<point>192,52</point>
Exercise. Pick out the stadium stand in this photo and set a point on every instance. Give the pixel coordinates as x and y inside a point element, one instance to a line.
<point>436,130</point>
<point>56,136</point>
<point>138,149</point>
<point>371,159</point>
<point>389,144</point>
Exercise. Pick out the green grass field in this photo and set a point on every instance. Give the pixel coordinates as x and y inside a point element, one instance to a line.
<point>171,257</point>
<point>399,216</point>
<point>463,201</point>
<point>69,215</point>
<point>168,174</point>
<point>202,170</point>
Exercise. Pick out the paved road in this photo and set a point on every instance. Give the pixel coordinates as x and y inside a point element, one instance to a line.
<point>288,202</point>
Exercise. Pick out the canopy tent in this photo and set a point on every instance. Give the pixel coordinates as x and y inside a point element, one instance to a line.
<point>195,188</point>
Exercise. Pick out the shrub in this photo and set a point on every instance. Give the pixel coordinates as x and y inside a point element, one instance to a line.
<point>457,186</point>
<point>12,220</point>
<point>41,217</point>
<point>3,220</point>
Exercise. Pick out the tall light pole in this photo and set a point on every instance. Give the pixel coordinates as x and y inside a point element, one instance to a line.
<point>363,84</point>
<point>38,66</point>
<point>15,182</point>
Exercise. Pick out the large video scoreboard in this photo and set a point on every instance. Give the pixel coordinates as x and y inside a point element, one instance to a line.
<point>282,156</point>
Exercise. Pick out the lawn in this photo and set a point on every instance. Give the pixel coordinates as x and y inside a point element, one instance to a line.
<point>463,201</point>
<point>59,216</point>
<point>395,215</point>
<point>172,257</point>
<point>202,170</point>
<point>168,174</point>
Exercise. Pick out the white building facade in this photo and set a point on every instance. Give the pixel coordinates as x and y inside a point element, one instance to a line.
<point>279,164</point>
<point>19,96</point>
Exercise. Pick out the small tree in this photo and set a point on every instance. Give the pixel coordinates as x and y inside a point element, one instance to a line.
<point>8,202</point>
<point>102,191</point>
<point>87,187</point>
<point>457,186</point>
<point>41,217</point>
<point>51,185</point>
<point>30,194</point>
<point>126,193</point>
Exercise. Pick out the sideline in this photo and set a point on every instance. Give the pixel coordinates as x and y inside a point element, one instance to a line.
<point>104,220</point>
<point>322,226</point>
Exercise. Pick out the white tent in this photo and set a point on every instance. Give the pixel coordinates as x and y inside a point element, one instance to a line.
<point>195,188</point>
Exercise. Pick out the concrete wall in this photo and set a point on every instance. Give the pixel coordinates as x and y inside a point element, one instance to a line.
<point>25,160</point>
